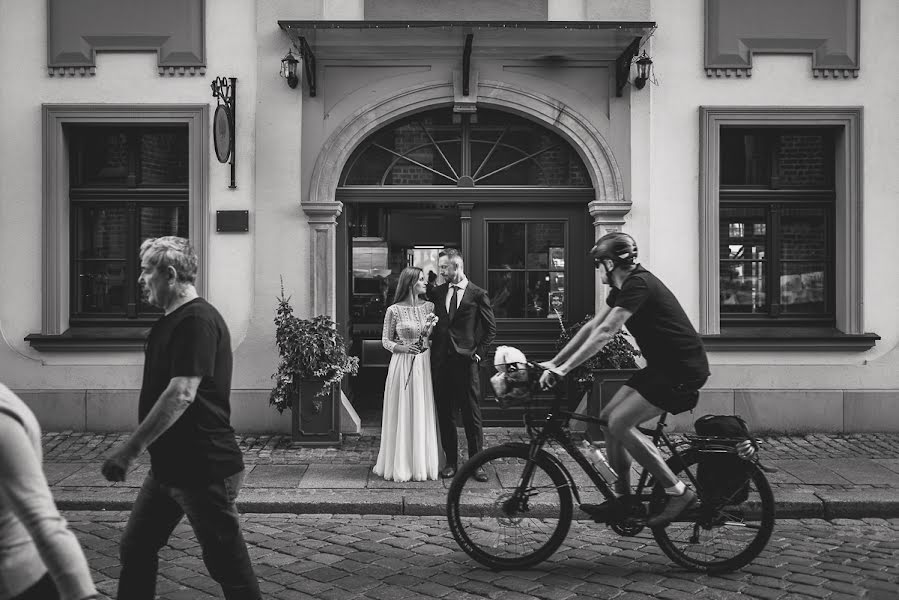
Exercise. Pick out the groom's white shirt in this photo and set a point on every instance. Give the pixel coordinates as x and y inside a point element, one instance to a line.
<point>449,293</point>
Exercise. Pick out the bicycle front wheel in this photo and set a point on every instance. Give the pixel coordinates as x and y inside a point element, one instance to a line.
<point>715,538</point>
<point>509,523</point>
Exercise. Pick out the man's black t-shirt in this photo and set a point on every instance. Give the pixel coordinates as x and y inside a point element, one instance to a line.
<point>200,446</point>
<point>661,327</point>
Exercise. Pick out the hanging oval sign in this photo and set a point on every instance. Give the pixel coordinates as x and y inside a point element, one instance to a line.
<point>222,133</point>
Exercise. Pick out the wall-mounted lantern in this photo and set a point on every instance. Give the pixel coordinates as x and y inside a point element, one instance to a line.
<point>289,69</point>
<point>644,70</point>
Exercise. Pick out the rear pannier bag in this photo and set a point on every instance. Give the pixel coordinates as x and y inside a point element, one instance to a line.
<point>723,476</point>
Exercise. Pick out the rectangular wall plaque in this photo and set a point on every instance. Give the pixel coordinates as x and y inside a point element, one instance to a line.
<point>232,221</point>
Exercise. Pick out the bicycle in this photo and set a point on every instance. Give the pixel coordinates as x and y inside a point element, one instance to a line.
<point>526,518</point>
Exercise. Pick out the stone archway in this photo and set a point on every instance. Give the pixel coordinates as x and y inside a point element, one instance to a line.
<point>607,209</point>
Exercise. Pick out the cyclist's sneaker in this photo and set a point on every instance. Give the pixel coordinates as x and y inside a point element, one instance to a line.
<point>674,507</point>
<point>599,512</point>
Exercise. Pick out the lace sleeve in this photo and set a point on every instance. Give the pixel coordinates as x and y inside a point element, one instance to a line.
<point>389,331</point>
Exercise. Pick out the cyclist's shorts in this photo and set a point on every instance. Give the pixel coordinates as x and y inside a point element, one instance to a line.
<point>664,392</point>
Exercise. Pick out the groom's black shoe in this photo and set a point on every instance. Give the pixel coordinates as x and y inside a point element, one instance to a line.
<point>448,472</point>
<point>480,474</point>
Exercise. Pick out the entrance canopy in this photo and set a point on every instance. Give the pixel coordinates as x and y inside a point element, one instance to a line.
<point>549,42</point>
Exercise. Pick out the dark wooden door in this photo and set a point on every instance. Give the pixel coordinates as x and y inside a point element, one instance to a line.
<point>532,260</point>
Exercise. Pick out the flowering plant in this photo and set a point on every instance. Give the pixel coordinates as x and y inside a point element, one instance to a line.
<point>308,349</point>
<point>618,353</point>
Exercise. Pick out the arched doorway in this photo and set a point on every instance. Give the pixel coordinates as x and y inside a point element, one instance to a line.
<point>509,192</point>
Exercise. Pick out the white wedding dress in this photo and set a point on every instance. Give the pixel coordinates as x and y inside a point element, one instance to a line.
<point>410,442</point>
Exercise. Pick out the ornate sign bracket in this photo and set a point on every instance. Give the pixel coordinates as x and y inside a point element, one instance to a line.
<point>224,89</point>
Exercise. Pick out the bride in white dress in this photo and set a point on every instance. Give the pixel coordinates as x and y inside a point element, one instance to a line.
<point>410,443</point>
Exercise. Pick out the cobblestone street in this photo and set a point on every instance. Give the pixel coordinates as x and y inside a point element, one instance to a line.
<point>399,558</point>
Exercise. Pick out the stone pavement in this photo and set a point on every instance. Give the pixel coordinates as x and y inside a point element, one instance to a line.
<point>344,557</point>
<point>821,476</point>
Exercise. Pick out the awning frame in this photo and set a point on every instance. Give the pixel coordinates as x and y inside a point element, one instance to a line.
<point>298,32</point>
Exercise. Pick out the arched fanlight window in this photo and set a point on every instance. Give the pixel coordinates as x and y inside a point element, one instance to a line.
<point>490,148</point>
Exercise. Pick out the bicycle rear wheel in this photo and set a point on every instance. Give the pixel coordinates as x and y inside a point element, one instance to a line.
<point>714,538</point>
<point>499,528</point>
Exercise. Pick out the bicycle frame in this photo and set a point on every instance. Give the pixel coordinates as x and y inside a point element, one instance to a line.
<point>552,428</point>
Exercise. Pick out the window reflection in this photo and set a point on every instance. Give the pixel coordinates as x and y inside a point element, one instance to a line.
<point>526,269</point>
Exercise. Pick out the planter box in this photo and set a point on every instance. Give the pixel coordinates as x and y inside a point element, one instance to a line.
<point>315,427</point>
<point>606,384</point>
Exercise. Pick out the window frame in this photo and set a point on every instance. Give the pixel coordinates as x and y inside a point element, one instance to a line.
<point>56,211</point>
<point>772,203</point>
<point>469,173</point>
<point>525,270</point>
<point>848,210</point>
<point>132,197</point>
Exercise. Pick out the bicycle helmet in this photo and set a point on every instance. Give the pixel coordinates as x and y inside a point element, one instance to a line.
<point>618,247</point>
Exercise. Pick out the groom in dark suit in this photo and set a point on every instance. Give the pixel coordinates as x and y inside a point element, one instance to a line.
<point>464,331</point>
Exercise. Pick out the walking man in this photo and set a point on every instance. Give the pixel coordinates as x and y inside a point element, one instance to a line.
<point>465,329</point>
<point>184,413</point>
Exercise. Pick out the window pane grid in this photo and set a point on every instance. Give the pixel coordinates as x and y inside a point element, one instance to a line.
<point>526,264</point>
<point>128,183</point>
<point>428,149</point>
<point>798,240</point>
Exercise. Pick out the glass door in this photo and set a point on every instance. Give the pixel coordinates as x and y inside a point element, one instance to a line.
<point>532,262</point>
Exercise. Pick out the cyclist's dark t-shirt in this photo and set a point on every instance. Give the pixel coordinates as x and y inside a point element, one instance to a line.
<point>200,446</point>
<point>661,327</point>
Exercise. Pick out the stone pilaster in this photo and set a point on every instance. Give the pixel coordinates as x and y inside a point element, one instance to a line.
<point>607,217</point>
<point>465,216</point>
<point>322,218</point>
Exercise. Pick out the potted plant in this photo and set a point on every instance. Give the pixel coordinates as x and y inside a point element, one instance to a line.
<point>600,377</point>
<point>313,360</point>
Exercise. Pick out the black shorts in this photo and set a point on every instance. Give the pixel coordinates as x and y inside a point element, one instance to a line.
<point>661,390</point>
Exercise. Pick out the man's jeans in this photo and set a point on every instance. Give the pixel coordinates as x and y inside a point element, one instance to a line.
<point>212,514</point>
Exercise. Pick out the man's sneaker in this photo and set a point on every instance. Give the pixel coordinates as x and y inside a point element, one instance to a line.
<point>674,507</point>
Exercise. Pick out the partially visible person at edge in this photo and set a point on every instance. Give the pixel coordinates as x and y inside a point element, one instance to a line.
<point>184,413</point>
<point>676,367</point>
<point>40,558</point>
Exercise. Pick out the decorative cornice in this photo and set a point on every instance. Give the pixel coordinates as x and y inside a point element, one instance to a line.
<point>606,213</point>
<point>174,29</point>
<point>322,213</point>
<point>826,29</point>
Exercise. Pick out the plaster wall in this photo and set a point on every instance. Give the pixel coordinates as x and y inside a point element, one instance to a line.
<point>777,80</point>
<point>121,78</point>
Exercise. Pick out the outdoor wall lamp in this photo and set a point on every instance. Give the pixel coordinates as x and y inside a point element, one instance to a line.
<point>289,69</point>
<point>644,68</point>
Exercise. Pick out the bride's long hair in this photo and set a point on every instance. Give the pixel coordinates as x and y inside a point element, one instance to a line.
<point>408,278</point>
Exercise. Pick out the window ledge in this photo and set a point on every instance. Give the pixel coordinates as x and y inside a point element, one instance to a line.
<point>788,339</point>
<point>91,339</point>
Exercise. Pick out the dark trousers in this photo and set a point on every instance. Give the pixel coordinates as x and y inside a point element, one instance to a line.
<point>44,589</point>
<point>213,515</point>
<point>458,387</point>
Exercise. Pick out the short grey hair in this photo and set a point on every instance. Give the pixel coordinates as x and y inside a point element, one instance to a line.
<point>171,251</point>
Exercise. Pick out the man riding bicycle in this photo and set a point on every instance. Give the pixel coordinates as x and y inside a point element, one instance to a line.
<point>676,367</point>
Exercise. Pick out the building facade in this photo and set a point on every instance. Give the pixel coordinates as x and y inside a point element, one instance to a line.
<point>752,164</point>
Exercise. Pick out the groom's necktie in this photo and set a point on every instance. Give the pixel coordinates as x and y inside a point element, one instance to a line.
<point>452,306</point>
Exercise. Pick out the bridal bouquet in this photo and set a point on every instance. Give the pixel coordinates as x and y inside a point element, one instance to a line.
<point>430,320</point>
